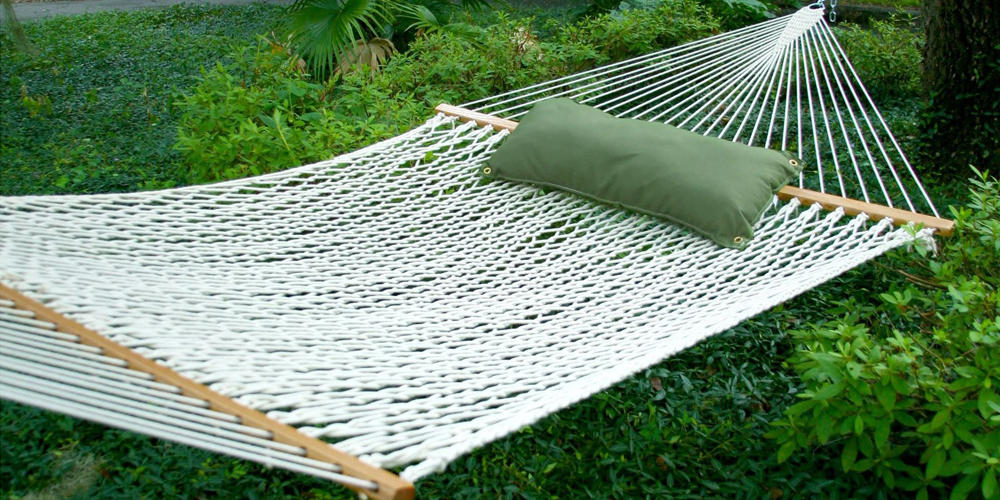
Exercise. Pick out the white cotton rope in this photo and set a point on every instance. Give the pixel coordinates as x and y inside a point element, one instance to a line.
<point>121,406</point>
<point>396,304</point>
<point>790,69</point>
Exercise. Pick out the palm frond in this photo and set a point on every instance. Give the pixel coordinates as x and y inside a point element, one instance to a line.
<point>324,32</point>
<point>424,20</point>
<point>372,54</point>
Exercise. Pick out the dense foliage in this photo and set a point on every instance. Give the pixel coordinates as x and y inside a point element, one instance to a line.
<point>192,94</point>
<point>904,386</point>
<point>91,113</point>
<point>337,36</point>
<point>260,113</point>
<point>886,55</point>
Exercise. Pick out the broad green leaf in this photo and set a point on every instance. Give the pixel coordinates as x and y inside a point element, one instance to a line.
<point>800,407</point>
<point>989,484</point>
<point>882,433</point>
<point>948,438</point>
<point>899,385</point>
<point>853,369</point>
<point>850,454</point>
<point>886,396</point>
<point>829,391</point>
<point>863,465</point>
<point>942,417</point>
<point>786,450</point>
<point>905,418</point>
<point>934,464</point>
<point>889,478</point>
<point>965,486</point>
<point>823,427</point>
<point>986,395</point>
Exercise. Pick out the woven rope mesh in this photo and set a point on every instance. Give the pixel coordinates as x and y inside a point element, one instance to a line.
<point>784,84</point>
<point>393,302</point>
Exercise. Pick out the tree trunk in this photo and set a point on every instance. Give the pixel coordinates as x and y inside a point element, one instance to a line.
<point>17,32</point>
<point>962,81</point>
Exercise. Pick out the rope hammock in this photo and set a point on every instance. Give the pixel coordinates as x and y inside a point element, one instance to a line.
<point>391,302</point>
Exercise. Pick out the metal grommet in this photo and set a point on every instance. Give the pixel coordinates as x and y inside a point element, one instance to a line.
<point>487,170</point>
<point>793,163</point>
<point>739,239</point>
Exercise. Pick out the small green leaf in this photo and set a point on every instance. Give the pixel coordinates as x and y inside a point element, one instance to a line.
<point>934,464</point>
<point>786,450</point>
<point>889,478</point>
<point>964,487</point>
<point>311,117</point>
<point>859,425</point>
<point>800,407</point>
<point>989,484</point>
<point>829,391</point>
<point>886,396</point>
<point>983,401</point>
<point>850,454</point>
<point>941,418</point>
<point>881,433</point>
<point>863,465</point>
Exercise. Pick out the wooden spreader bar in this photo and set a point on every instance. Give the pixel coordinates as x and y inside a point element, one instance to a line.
<point>390,486</point>
<point>942,227</point>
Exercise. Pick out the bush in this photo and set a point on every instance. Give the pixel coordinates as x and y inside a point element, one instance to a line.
<point>886,56</point>
<point>636,31</point>
<point>907,389</point>
<point>735,14</point>
<point>260,114</point>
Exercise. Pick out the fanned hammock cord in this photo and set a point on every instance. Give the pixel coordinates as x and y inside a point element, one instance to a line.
<point>785,84</point>
<point>395,304</point>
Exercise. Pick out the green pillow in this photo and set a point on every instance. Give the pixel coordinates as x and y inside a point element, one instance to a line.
<point>716,187</point>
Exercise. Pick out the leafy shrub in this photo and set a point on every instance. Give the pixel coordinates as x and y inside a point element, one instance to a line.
<point>907,389</point>
<point>886,56</point>
<point>440,67</point>
<point>260,114</point>
<point>630,32</point>
<point>734,14</point>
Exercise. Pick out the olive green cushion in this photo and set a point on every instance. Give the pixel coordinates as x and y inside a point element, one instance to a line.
<point>716,187</point>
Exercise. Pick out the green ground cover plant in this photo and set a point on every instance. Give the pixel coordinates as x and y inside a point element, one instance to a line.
<point>192,94</point>
<point>92,112</point>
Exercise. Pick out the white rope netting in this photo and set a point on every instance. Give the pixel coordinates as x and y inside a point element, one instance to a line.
<point>55,371</point>
<point>395,303</point>
<point>785,84</point>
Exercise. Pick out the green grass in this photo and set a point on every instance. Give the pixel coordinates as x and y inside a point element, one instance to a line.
<point>91,114</point>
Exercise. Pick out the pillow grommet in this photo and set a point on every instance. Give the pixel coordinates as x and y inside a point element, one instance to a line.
<point>739,239</point>
<point>487,170</point>
<point>793,162</point>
